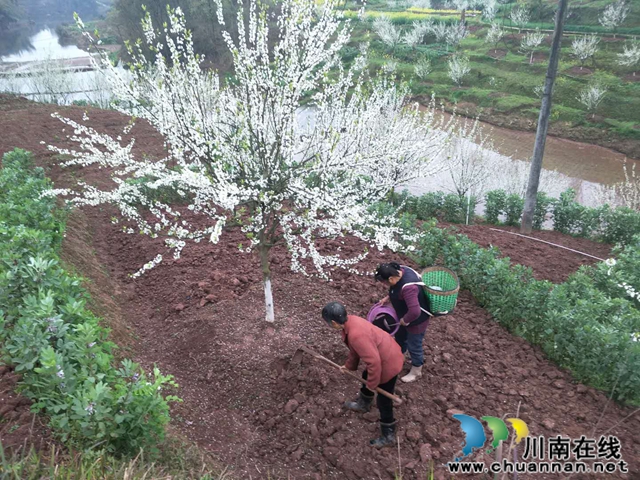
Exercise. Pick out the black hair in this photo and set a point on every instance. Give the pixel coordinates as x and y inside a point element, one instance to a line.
<point>335,312</point>
<point>387,270</point>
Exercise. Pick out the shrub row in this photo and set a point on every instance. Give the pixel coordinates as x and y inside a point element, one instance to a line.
<point>607,224</point>
<point>448,207</point>
<point>589,324</point>
<point>611,225</point>
<point>55,343</point>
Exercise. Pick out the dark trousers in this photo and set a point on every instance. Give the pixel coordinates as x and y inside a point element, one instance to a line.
<point>401,337</point>
<point>385,405</point>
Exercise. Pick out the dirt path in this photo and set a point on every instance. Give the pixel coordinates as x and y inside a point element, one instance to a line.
<point>200,319</point>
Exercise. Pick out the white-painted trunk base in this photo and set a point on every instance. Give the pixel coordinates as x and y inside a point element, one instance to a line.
<point>268,301</point>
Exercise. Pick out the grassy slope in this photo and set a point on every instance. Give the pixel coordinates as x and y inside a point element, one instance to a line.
<point>505,87</point>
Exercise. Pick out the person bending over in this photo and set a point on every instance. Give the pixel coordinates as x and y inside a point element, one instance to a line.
<point>383,359</point>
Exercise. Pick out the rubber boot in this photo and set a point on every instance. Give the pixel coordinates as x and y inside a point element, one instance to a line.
<point>388,438</point>
<point>413,375</point>
<point>361,404</point>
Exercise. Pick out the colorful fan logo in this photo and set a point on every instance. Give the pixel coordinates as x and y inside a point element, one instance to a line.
<point>475,437</point>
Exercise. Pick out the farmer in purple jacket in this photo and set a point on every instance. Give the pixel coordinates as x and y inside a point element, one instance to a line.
<point>412,308</point>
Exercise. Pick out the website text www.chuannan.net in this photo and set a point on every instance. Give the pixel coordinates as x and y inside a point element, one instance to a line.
<point>538,467</point>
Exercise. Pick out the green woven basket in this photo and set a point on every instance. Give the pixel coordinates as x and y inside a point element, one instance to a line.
<point>444,300</point>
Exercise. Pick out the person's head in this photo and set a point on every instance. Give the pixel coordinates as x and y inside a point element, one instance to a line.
<point>335,314</point>
<point>389,273</point>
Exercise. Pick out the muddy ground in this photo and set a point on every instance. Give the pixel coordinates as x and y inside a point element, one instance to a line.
<point>200,318</point>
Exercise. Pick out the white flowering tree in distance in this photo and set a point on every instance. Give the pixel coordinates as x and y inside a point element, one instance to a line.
<point>294,140</point>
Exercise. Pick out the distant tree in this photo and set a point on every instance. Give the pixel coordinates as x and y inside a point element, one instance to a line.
<point>423,68</point>
<point>584,48</point>
<point>456,32</point>
<point>495,34</point>
<point>614,15</point>
<point>630,57</point>
<point>591,97</point>
<point>520,16</point>
<point>415,35</point>
<point>531,42</point>
<point>458,68</point>
<point>387,31</point>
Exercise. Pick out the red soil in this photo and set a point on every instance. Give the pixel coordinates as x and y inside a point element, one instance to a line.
<point>200,318</point>
<point>548,262</point>
<point>576,70</point>
<point>19,428</point>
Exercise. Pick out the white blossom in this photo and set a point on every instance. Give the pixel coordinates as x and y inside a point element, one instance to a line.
<point>584,47</point>
<point>520,16</point>
<point>614,15</point>
<point>530,43</point>
<point>630,56</point>
<point>303,152</point>
<point>423,68</point>
<point>387,31</point>
<point>495,34</point>
<point>591,96</point>
<point>458,68</point>
<point>414,36</point>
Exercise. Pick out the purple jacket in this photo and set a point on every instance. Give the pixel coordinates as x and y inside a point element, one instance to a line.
<point>410,296</point>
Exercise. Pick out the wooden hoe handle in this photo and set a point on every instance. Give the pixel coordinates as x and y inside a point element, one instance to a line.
<point>397,400</point>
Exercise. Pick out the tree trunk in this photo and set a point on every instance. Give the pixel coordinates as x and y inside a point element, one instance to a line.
<point>543,122</point>
<point>531,59</point>
<point>266,278</point>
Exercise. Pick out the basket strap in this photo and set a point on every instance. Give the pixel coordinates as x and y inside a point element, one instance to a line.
<point>417,274</point>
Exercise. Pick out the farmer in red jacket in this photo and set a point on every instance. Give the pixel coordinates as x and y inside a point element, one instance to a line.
<point>383,359</point>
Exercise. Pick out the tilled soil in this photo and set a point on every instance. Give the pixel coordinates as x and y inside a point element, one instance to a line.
<point>200,318</point>
<point>548,262</point>
<point>20,430</point>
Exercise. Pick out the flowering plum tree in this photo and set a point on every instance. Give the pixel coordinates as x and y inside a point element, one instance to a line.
<point>584,47</point>
<point>458,68</point>
<point>301,144</point>
<point>630,57</point>
<point>530,43</point>
<point>520,16</point>
<point>387,31</point>
<point>495,34</point>
<point>614,15</point>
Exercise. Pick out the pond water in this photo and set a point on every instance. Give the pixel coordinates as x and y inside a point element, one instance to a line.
<point>584,167</point>
<point>35,72</point>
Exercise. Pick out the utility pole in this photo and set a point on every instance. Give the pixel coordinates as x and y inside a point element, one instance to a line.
<point>543,122</point>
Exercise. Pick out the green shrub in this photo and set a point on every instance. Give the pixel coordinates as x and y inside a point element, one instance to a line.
<point>453,209</point>
<point>543,203</point>
<point>567,213</point>
<point>495,205</point>
<point>621,279</point>
<point>513,209</point>
<point>54,342</point>
<point>430,205</point>
<point>620,225</point>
